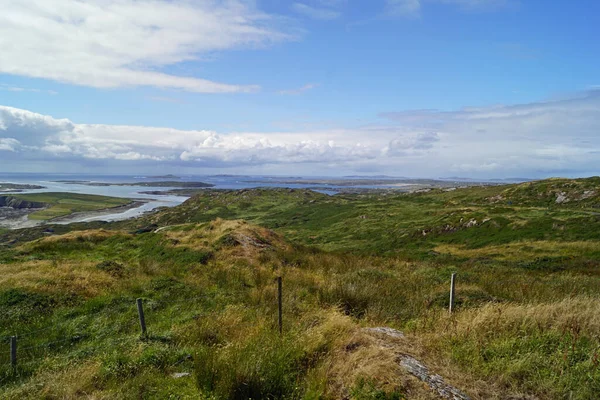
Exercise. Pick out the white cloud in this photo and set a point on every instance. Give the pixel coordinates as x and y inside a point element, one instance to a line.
<point>11,88</point>
<point>300,90</point>
<point>315,12</point>
<point>9,144</point>
<point>540,138</point>
<point>403,8</point>
<point>537,139</point>
<point>62,138</point>
<point>165,99</point>
<point>116,43</point>
<point>412,8</point>
<point>411,144</point>
<point>477,4</point>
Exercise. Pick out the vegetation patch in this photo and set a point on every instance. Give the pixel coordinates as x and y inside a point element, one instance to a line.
<point>526,303</point>
<point>62,204</point>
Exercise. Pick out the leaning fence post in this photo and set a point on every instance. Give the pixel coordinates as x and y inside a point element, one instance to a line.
<point>279,290</point>
<point>13,351</point>
<point>140,309</point>
<point>452,282</point>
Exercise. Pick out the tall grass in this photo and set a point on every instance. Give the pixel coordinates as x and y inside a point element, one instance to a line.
<point>525,324</point>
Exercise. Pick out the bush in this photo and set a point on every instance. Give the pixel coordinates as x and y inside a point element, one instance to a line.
<point>111,267</point>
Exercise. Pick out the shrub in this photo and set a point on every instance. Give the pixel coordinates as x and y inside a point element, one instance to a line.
<point>111,267</point>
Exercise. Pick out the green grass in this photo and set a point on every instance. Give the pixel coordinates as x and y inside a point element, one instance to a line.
<point>527,297</point>
<point>62,204</point>
<point>394,223</point>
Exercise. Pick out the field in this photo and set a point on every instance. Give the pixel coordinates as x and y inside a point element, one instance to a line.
<point>526,324</point>
<point>62,204</point>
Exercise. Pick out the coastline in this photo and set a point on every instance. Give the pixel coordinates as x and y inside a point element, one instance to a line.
<point>82,215</point>
<point>23,221</point>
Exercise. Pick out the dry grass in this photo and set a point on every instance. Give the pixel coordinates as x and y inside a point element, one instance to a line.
<point>578,313</point>
<point>524,250</point>
<point>51,277</point>
<point>234,238</point>
<point>362,358</point>
<point>327,297</point>
<point>510,344</point>
<point>66,383</point>
<point>92,236</point>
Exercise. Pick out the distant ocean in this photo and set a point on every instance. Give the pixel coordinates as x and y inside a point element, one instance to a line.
<point>49,181</point>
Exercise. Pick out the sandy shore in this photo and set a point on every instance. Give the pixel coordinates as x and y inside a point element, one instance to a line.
<point>80,216</point>
<point>18,219</point>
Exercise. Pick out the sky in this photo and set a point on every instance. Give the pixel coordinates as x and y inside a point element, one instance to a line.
<point>416,88</point>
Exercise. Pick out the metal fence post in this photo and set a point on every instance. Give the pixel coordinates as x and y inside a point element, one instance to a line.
<point>13,351</point>
<point>279,290</point>
<point>452,284</point>
<point>140,309</point>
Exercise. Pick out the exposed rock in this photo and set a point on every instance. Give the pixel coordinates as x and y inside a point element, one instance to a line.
<point>145,229</point>
<point>19,204</point>
<point>471,223</point>
<point>561,198</point>
<point>386,331</point>
<point>587,194</point>
<point>434,381</point>
<point>449,228</point>
<point>417,368</point>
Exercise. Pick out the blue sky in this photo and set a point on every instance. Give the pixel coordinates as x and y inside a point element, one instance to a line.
<point>333,87</point>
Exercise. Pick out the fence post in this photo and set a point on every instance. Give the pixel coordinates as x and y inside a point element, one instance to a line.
<point>13,351</point>
<point>279,290</point>
<point>452,283</point>
<point>140,309</point>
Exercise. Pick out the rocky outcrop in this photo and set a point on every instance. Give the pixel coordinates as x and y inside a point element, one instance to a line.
<point>19,204</point>
<point>434,381</point>
<point>388,339</point>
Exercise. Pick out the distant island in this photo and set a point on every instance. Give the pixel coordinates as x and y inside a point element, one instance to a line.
<point>71,181</point>
<point>17,187</point>
<point>144,184</point>
<point>168,176</point>
<point>405,183</point>
<point>157,184</point>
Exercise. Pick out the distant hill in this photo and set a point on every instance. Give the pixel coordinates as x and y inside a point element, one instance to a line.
<point>556,191</point>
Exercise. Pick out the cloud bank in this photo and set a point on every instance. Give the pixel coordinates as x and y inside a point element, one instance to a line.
<point>537,139</point>
<point>119,43</point>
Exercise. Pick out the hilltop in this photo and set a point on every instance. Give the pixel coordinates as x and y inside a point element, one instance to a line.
<point>572,192</point>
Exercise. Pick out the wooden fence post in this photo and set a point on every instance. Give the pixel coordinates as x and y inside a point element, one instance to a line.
<point>452,284</point>
<point>279,290</point>
<point>13,351</point>
<point>140,309</point>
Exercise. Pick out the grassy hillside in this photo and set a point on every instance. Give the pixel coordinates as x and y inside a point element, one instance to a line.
<point>62,204</point>
<point>406,224</point>
<point>526,324</point>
